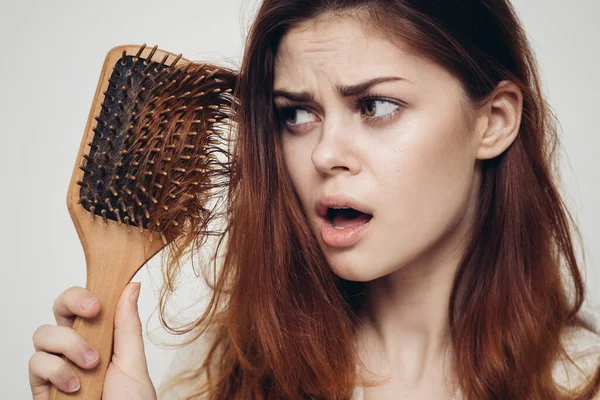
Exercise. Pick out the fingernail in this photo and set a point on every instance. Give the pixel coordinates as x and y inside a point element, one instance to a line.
<point>88,302</point>
<point>73,384</point>
<point>135,292</point>
<point>90,356</point>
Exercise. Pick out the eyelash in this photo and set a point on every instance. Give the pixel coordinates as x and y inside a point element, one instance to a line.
<point>282,111</point>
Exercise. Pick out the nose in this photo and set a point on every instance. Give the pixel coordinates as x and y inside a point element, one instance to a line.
<point>336,150</point>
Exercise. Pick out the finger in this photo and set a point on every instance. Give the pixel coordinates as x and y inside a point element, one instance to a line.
<point>128,349</point>
<point>75,301</point>
<point>47,368</point>
<point>64,340</point>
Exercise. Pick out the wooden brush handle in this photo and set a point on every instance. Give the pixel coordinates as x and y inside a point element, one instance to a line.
<point>98,332</point>
<point>112,260</point>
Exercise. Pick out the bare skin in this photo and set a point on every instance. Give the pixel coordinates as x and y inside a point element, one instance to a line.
<point>417,170</point>
<point>127,375</point>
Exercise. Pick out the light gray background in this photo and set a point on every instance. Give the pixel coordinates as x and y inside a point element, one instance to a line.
<point>52,52</point>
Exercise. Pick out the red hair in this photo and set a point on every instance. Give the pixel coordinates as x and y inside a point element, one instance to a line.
<point>284,324</point>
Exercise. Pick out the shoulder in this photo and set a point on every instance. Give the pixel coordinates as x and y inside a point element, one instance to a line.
<point>583,346</point>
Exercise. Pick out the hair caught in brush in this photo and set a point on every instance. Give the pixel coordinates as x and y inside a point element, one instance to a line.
<point>159,147</point>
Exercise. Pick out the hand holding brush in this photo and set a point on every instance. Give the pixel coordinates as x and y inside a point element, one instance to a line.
<point>127,376</point>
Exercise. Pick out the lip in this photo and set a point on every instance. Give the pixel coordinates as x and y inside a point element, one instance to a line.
<point>341,238</point>
<point>340,200</point>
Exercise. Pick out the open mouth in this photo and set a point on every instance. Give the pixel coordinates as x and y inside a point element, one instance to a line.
<point>346,217</point>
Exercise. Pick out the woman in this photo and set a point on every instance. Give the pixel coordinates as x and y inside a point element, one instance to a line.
<point>442,278</point>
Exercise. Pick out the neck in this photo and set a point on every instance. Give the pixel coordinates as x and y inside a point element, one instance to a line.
<point>406,320</point>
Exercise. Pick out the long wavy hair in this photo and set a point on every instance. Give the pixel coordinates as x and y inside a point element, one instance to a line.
<point>284,324</point>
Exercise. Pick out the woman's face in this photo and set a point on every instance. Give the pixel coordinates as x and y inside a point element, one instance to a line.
<point>405,153</point>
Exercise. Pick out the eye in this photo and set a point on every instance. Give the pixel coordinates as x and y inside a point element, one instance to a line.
<point>374,109</point>
<point>377,109</point>
<point>293,116</point>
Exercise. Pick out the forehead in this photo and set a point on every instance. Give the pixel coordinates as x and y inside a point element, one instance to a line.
<point>346,50</point>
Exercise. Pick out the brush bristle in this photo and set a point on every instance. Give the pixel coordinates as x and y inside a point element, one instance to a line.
<point>155,143</point>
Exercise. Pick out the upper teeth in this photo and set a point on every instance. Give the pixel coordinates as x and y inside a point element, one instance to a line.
<point>339,208</point>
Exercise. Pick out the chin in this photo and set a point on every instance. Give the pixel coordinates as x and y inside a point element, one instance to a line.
<point>356,274</point>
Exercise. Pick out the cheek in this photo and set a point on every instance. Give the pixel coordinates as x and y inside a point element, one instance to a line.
<point>426,186</point>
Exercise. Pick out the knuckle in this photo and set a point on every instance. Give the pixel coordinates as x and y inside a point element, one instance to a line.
<point>55,309</point>
<point>57,305</point>
<point>33,360</point>
<point>57,301</point>
<point>71,340</point>
<point>72,302</point>
<point>60,371</point>
<point>61,298</point>
<point>79,293</point>
<point>76,293</point>
<point>39,331</point>
<point>70,293</point>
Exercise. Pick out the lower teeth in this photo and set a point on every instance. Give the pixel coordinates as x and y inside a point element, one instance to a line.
<point>339,227</point>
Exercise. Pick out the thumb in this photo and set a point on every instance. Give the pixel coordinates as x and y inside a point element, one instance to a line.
<point>128,350</point>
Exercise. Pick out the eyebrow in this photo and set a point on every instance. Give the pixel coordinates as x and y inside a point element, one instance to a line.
<point>343,90</point>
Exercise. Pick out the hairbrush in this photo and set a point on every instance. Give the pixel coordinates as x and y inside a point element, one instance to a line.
<point>142,175</point>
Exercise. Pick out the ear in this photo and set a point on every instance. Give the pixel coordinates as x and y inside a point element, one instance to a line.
<point>499,120</point>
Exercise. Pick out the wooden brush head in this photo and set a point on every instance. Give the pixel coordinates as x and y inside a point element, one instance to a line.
<point>152,141</point>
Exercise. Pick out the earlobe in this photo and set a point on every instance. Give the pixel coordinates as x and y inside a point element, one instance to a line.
<point>503,115</point>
